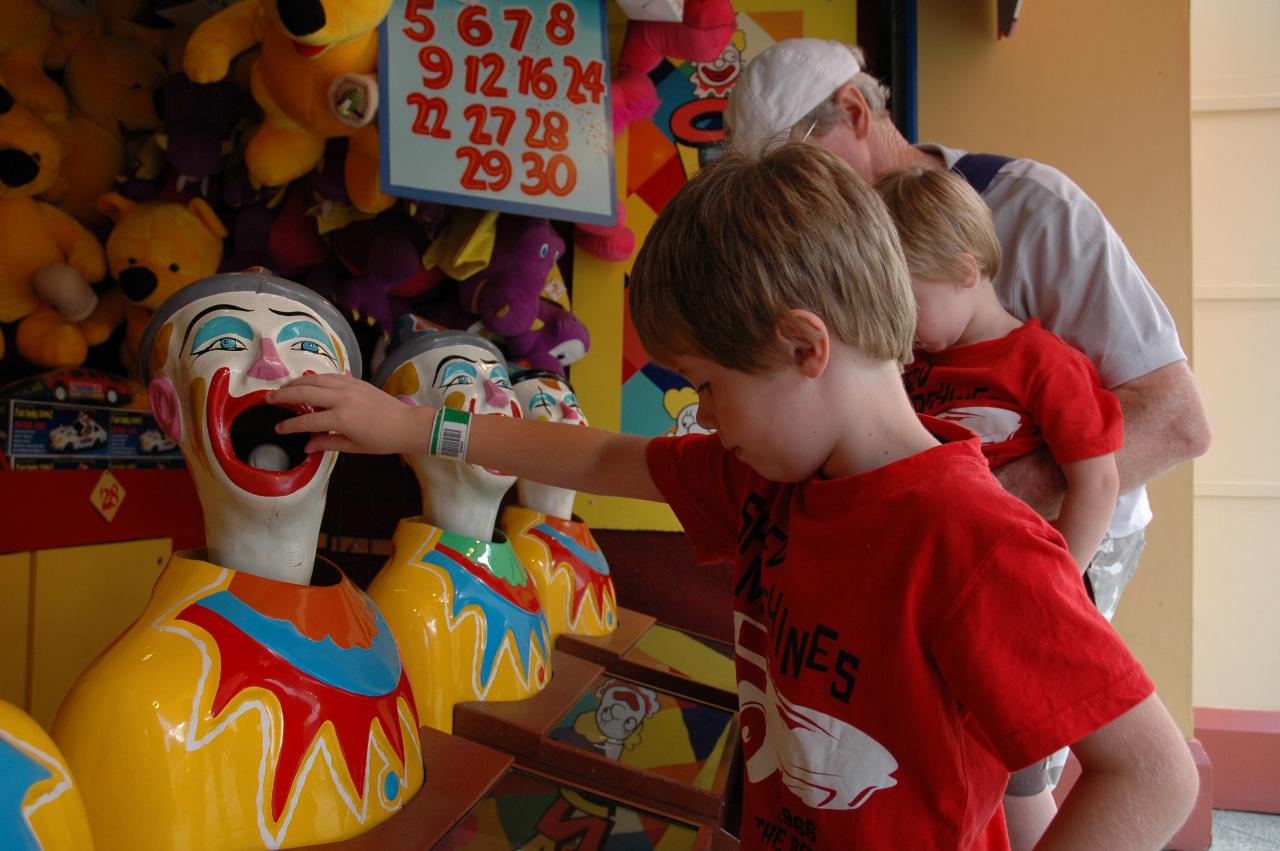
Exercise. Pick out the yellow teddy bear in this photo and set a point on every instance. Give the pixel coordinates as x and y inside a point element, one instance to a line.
<point>156,249</point>
<point>306,47</point>
<point>47,258</point>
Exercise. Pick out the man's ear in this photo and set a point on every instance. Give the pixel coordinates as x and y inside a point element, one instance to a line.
<point>851,102</point>
<point>805,340</point>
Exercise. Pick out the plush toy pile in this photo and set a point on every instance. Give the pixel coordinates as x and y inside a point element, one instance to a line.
<point>137,156</point>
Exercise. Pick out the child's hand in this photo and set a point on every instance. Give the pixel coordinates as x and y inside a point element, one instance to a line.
<point>353,416</point>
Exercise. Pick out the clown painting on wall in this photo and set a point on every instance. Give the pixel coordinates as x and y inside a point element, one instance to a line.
<point>554,545</point>
<point>260,691</point>
<point>462,607</point>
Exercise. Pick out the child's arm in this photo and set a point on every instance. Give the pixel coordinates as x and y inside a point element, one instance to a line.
<point>354,416</point>
<point>1137,787</point>
<point>1087,506</point>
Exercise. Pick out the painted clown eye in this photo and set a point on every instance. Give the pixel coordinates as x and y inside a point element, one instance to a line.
<point>311,347</point>
<point>223,344</point>
<point>459,381</point>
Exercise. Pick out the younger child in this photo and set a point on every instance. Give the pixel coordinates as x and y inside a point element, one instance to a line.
<point>1016,385</point>
<point>886,585</point>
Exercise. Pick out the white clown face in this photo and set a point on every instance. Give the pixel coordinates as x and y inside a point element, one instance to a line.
<point>211,364</point>
<point>547,396</point>
<point>452,369</point>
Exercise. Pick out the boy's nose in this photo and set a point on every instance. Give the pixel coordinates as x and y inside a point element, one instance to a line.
<point>268,366</point>
<point>495,396</point>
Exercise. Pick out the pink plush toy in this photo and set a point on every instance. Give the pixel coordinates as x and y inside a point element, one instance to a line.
<point>701,36</point>
<point>505,293</point>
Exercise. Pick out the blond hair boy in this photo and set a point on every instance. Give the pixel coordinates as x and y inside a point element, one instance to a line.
<point>885,583</point>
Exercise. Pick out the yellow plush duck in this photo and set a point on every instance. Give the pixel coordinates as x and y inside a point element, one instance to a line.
<point>47,258</point>
<point>306,46</point>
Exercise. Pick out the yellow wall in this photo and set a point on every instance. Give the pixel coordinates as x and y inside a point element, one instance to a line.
<point>1235,133</point>
<point>1100,90</point>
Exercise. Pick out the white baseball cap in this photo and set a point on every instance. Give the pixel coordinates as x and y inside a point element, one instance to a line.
<point>782,85</point>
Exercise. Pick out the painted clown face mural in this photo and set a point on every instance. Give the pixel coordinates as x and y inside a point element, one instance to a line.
<point>557,548</point>
<point>210,356</point>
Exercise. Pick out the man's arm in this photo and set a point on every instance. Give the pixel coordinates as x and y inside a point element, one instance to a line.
<point>353,416</point>
<point>1164,425</point>
<point>1137,785</point>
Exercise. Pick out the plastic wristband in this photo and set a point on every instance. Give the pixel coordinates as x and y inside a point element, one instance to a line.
<point>449,434</point>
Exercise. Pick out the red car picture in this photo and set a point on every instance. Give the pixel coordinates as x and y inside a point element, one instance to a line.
<point>72,385</point>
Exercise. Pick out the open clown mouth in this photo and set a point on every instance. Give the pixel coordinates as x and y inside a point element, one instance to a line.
<point>244,441</point>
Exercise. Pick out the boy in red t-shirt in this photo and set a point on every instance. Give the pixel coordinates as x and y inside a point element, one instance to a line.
<point>887,589</point>
<point>1018,386</point>
<point>1014,384</point>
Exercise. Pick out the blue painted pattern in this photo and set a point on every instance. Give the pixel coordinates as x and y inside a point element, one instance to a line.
<point>593,559</point>
<point>18,773</point>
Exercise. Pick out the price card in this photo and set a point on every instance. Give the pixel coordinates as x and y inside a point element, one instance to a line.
<point>499,105</point>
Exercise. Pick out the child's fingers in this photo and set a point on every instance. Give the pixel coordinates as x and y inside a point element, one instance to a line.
<point>326,442</point>
<point>318,421</point>
<point>310,395</point>
<point>323,379</point>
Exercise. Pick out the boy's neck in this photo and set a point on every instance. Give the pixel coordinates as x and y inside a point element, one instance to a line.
<point>876,424</point>
<point>990,320</point>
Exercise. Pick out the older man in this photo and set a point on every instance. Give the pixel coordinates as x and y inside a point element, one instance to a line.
<point>1063,264</point>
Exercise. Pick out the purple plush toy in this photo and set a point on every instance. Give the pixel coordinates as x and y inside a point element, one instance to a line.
<point>558,339</point>
<point>505,294</point>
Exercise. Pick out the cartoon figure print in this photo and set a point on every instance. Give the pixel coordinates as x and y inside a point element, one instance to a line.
<point>617,721</point>
<point>825,762</point>
<point>682,406</point>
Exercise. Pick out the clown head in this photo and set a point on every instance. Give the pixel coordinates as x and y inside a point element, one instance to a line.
<point>466,372</point>
<point>209,356</point>
<point>547,396</point>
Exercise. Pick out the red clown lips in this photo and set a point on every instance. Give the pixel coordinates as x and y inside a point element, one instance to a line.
<point>239,425</point>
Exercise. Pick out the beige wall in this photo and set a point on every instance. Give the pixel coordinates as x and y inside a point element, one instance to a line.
<point>1100,90</point>
<point>1235,136</point>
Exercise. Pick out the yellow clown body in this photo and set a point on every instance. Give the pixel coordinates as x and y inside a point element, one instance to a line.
<point>40,804</point>
<point>568,569</point>
<point>466,617</point>
<point>243,712</point>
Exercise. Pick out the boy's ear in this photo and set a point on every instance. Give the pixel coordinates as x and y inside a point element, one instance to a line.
<point>851,102</point>
<point>972,274</point>
<point>805,341</point>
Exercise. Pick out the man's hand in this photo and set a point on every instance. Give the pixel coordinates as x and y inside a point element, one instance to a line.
<point>353,416</point>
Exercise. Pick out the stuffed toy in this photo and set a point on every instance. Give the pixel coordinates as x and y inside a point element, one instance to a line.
<point>701,36</point>
<point>556,340</point>
<point>306,49</point>
<point>189,152</point>
<point>505,292</point>
<point>47,259</point>
<point>111,83</point>
<point>26,36</point>
<point>156,249</point>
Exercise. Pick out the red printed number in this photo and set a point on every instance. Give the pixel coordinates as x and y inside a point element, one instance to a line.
<point>590,79</point>
<point>558,175</point>
<point>494,164</point>
<point>535,79</point>
<point>523,19</point>
<point>473,26</point>
<point>436,63</point>
<point>494,66</point>
<point>478,115</point>
<point>560,24</point>
<point>554,127</point>
<point>431,115</point>
<point>416,13</point>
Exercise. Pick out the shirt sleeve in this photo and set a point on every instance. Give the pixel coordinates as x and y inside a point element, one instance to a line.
<point>1029,656</point>
<point>1071,270</point>
<point>1078,418</point>
<point>704,485</point>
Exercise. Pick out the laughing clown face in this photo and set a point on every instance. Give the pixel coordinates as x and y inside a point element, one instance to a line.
<point>451,369</point>
<point>210,355</point>
<point>548,396</point>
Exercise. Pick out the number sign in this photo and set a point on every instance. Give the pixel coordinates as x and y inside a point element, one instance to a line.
<point>499,105</point>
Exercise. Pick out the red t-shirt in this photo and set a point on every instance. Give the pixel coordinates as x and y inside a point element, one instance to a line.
<point>1019,392</point>
<point>905,638</point>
